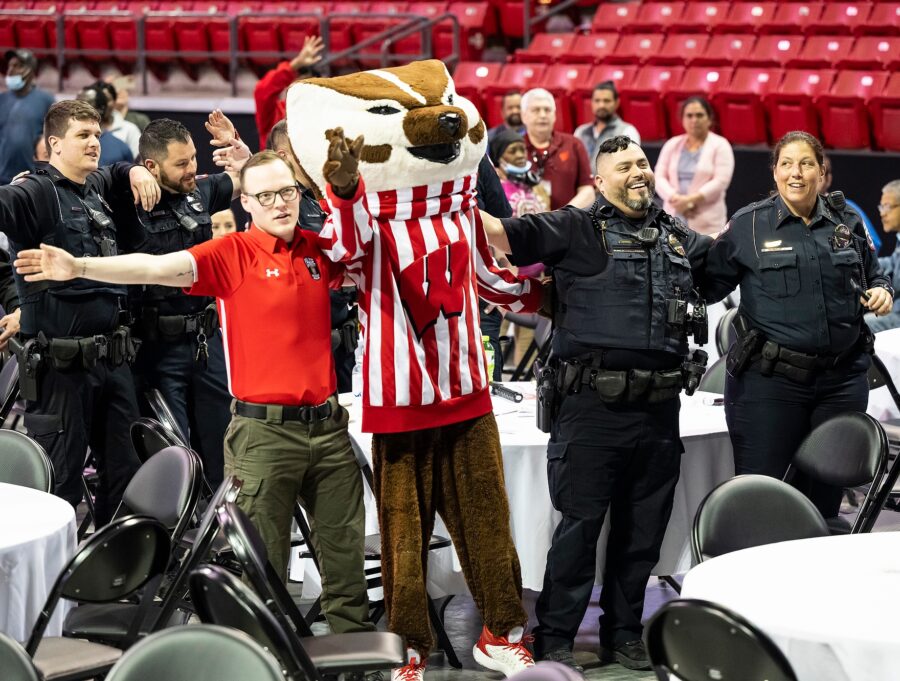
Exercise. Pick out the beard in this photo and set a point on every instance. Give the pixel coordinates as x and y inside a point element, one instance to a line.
<point>603,116</point>
<point>183,186</point>
<point>640,204</point>
<point>514,121</point>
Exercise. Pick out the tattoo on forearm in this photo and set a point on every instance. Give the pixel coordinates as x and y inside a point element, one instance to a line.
<point>184,274</point>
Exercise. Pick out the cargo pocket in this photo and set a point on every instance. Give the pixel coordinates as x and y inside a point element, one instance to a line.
<point>558,476</point>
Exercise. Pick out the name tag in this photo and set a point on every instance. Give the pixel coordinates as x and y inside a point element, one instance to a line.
<point>771,244</point>
<point>775,250</point>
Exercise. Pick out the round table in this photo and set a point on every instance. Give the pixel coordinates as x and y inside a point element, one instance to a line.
<point>826,602</point>
<point>37,539</point>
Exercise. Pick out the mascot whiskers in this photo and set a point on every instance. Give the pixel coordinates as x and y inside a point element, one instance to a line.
<point>395,152</point>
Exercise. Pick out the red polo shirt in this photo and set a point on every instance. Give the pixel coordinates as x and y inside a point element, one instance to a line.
<point>275,314</point>
<point>565,167</point>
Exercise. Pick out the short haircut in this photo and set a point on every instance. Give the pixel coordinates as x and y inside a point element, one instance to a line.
<point>607,85</point>
<point>798,136</point>
<point>535,94</point>
<point>56,122</point>
<point>278,136</point>
<point>892,187</point>
<point>510,93</point>
<point>613,145</point>
<point>262,158</point>
<point>157,136</point>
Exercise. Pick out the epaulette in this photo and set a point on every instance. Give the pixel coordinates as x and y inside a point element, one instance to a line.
<point>750,208</point>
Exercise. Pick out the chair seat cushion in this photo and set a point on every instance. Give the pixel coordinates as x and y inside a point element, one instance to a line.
<point>62,658</point>
<point>361,651</point>
<point>219,545</point>
<point>109,622</point>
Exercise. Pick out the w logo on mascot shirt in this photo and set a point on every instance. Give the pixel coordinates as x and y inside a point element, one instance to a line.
<point>435,285</point>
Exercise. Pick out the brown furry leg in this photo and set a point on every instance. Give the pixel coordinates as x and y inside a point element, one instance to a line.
<point>403,467</point>
<point>472,501</point>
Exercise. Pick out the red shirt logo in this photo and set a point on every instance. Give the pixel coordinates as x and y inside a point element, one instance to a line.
<point>434,285</point>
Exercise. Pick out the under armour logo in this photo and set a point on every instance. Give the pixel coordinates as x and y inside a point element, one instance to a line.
<point>272,273</point>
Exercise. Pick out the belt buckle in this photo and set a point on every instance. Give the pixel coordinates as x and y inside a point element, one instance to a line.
<point>102,343</point>
<point>306,414</point>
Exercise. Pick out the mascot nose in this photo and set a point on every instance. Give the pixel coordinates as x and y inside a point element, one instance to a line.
<point>449,123</point>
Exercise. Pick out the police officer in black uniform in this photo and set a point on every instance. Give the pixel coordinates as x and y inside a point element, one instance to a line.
<point>9,300</point>
<point>182,353</point>
<point>344,320</point>
<point>623,274</point>
<point>73,361</point>
<point>802,262</point>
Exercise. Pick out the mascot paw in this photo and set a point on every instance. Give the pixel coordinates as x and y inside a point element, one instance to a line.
<point>341,170</point>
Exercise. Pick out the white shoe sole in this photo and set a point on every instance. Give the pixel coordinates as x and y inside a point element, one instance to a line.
<point>489,662</point>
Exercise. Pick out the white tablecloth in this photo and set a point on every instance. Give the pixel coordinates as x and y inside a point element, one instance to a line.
<point>887,347</point>
<point>828,603</point>
<point>706,462</point>
<point>37,538</point>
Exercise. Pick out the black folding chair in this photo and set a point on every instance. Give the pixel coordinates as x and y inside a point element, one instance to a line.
<point>15,663</point>
<point>24,462</point>
<point>149,436</point>
<point>713,380</point>
<point>539,347</point>
<point>164,415</point>
<point>694,640</point>
<point>849,450</point>
<point>331,654</point>
<point>752,510</point>
<point>879,377</point>
<point>111,564</point>
<point>725,333</point>
<point>200,652</point>
<point>9,388</point>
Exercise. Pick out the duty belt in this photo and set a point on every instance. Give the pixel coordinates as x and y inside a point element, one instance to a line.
<point>172,327</point>
<point>77,353</point>
<point>619,386</point>
<point>281,412</point>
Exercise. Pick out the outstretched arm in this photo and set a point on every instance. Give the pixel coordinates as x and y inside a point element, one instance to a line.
<point>55,264</point>
<point>496,235</point>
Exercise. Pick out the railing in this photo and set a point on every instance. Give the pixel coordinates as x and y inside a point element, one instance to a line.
<point>410,25</point>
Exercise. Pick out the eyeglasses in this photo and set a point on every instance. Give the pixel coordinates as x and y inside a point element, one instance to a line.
<point>887,207</point>
<point>267,199</point>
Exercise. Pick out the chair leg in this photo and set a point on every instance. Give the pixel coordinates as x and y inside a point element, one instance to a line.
<point>670,580</point>
<point>443,640</point>
<point>90,516</point>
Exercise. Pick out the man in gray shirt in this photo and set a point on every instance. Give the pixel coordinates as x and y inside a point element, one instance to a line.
<point>606,123</point>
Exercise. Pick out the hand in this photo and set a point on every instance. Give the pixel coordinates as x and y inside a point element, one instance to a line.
<point>310,54</point>
<point>220,127</point>
<point>341,170</point>
<point>232,157</point>
<point>22,174</point>
<point>880,301</point>
<point>47,263</point>
<point>144,187</point>
<point>679,202</point>
<point>10,326</point>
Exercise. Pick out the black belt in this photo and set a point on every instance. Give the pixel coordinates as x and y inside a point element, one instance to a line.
<point>283,412</point>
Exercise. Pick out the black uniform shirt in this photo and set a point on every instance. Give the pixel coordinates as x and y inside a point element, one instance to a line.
<point>796,280</point>
<point>566,239</point>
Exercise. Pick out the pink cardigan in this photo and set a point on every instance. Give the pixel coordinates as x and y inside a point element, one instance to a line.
<point>712,177</point>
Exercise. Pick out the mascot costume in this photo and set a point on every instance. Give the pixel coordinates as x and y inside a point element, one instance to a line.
<point>401,192</point>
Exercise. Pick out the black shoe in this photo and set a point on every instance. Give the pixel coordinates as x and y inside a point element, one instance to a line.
<point>564,656</point>
<point>631,655</point>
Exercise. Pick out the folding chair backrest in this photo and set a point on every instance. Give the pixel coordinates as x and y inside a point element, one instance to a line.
<point>725,334</point>
<point>165,416</point>
<point>166,487</point>
<point>24,462</point>
<point>149,436</point>
<point>112,563</point>
<point>695,640</point>
<point>9,387</point>
<point>15,662</point>
<point>713,380</point>
<point>752,510</point>
<point>880,376</point>
<point>221,598</point>
<point>201,652</point>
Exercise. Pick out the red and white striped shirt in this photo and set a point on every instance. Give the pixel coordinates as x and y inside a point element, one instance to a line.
<point>420,259</point>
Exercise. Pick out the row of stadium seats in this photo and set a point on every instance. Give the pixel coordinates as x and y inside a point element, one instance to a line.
<point>795,51</point>
<point>841,17</point>
<point>848,109</point>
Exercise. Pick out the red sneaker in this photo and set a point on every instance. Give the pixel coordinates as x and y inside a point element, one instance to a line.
<point>502,655</point>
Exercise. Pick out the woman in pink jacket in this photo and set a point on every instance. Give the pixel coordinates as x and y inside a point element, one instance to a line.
<point>694,170</point>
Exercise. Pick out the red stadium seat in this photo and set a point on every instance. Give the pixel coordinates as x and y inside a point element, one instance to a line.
<point>656,17</point>
<point>794,17</point>
<point>614,16</point>
<point>885,111</point>
<point>259,34</point>
<point>873,52</point>
<point>472,78</point>
<point>791,107</point>
<point>823,51</point>
<point>845,120</point>
<point>681,48</point>
<point>366,28</point>
<point>842,17</point>
<point>34,33</point>
<point>513,76</point>
<point>739,106</point>
<point>412,44</point>
<point>697,80</point>
<point>593,48</point>
<point>773,50</point>
<point>341,28</point>
<point>636,48</point>
<point>642,99</point>
<point>546,48</point>
<point>621,75</point>
<point>510,17</point>
<point>476,20</point>
<point>562,80</point>
<point>726,49</point>
<point>883,20</point>
<point>700,17</point>
<point>747,17</point>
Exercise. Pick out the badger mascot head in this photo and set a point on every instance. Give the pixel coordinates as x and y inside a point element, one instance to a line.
<point>417,129</point>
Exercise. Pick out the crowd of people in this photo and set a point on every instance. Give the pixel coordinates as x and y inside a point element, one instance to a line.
<point>131,273</point>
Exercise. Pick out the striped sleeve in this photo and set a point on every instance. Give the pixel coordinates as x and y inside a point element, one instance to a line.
<point>498,285</point>
<point>348,230</point>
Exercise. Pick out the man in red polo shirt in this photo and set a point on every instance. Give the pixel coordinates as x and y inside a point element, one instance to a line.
<point>288,435</point>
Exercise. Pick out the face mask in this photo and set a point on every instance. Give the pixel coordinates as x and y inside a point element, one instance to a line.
<point>14,83</point>
<point>520,174</point>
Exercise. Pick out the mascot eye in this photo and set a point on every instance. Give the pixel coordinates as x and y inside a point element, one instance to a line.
<point>450,100</point>
<point>384,110</point>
